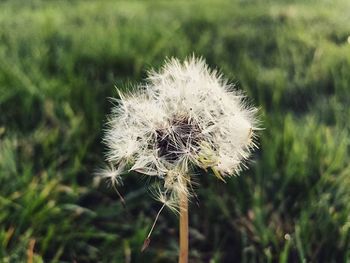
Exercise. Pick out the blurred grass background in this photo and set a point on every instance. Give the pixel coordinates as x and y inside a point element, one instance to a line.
<point>59,62</point>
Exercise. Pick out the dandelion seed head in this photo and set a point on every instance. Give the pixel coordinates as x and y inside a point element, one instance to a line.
<point>186,116</point>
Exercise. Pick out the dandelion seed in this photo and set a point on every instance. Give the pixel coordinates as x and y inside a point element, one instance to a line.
<point>113,175</point>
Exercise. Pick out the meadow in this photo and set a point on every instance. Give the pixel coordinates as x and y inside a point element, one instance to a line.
<point>60,62</point>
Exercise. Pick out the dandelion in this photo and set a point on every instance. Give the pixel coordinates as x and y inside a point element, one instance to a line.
<point>185,117</point>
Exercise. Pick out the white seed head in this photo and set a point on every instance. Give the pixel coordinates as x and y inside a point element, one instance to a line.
<point>186,116</point>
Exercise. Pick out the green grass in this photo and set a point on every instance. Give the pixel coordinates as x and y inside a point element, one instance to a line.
<point>59,63</point>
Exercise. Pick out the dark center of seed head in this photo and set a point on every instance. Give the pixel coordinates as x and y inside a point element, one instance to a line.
<point>184,135</point>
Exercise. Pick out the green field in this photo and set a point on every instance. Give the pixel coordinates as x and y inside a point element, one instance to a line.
<point>59,63</point>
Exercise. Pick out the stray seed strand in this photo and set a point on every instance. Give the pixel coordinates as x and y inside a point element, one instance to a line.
<point>148,238</point>
<point>122,200</point>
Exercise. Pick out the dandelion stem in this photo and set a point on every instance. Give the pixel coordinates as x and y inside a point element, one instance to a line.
<point>183,256</point>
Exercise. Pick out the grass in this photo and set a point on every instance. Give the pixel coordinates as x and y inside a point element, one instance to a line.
<point>59,62</point>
